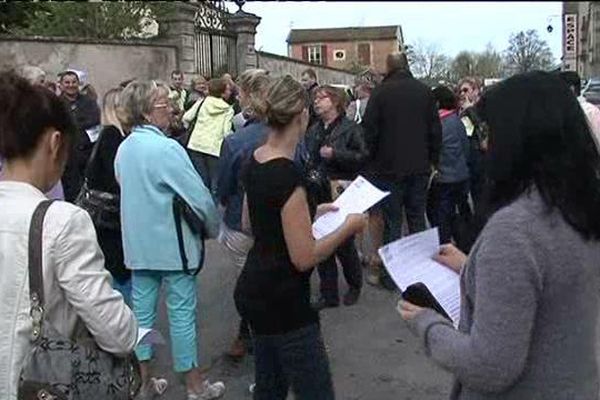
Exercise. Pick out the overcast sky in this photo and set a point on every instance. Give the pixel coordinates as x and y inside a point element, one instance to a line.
<point>453,26</point>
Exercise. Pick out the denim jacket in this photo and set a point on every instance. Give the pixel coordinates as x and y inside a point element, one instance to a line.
<point>237,148</point>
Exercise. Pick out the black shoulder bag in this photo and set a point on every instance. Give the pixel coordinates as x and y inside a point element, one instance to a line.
<point>103,207</point>
<point>182,210</point>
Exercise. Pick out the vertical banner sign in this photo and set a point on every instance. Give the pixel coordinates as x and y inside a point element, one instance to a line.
<point>570,42</point>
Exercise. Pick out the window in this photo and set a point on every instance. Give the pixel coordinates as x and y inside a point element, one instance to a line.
<point>339,55</point>
<point>364,54</point>
<point>314,55</point>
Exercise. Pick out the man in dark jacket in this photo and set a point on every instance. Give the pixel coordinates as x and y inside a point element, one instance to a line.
<point>86,113</point>
<point>403,134</point>
<point>308,79</point>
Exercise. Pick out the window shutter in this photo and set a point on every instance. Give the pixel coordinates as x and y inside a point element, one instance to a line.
<point>324,54</point>
<point>305,53</point>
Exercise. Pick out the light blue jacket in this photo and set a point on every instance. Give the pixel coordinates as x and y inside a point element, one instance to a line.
<point>151,169</point>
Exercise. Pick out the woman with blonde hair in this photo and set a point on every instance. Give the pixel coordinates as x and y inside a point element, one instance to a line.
<point>100,176</point>
<point>236,149</point>
<point>154,248</point>
<point>273,290</point>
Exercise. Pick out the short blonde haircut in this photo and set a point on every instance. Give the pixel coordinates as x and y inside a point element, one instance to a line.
<point>137,101</point>
<point>255,85</point>
<point>285,100</point>
<point>110,109</point>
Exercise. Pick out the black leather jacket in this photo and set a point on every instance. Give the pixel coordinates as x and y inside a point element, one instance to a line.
<point>349,151</point>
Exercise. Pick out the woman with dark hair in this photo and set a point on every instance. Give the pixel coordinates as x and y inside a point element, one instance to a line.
<point>529,306</point>
<point>450,187</point>
<point>336,151</point>
<point>36,134</point>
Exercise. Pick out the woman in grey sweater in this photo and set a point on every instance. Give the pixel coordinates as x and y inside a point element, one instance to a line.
<point>530,287</point>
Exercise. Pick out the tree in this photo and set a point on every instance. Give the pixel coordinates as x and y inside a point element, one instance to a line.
<point>17,15</point>
<point>98,20</point>
<point>527,52</point>
<point>488,64</point>
<point>428,62</point>
<point>462,65</point>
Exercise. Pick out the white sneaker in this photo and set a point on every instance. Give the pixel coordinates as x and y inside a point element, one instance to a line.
<point>209,391</point>
<point>251,388</point>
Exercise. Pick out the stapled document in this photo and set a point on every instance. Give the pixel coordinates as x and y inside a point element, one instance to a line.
<point>409,260</point>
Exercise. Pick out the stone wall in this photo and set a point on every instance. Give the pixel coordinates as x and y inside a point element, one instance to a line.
<point>278,65</point>
<point>107,62</point>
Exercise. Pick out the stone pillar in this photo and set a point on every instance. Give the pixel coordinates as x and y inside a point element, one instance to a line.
<point>179,30</point>
<point>244,25</point>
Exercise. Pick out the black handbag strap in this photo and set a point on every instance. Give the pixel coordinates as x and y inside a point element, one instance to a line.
<point>93,156</point>
<point>192,125</point>
<point>184,260</point>
<point>36,277</point>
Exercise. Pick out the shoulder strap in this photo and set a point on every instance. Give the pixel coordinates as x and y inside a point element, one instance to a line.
<point>184,260</point>
<point>93,156</point>
<point>36,279</point>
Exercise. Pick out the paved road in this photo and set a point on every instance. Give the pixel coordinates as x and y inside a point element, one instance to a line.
<point>373,356</point>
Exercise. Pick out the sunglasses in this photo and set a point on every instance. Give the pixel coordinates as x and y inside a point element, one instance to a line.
<point>464,90</point>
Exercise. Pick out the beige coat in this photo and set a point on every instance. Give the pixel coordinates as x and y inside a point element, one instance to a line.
<point>76,284</point>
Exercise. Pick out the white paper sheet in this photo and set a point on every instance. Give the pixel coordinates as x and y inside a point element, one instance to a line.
<point>356,199</point>
<point>409,260</point>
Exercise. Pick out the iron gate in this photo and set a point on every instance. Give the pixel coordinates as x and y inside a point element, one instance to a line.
<point>215,50</point>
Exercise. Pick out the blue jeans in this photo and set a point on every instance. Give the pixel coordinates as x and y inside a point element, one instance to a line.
<point>407,194</point>
<point>181,309</point>
<point>297,359</point>
<point>445,204</point>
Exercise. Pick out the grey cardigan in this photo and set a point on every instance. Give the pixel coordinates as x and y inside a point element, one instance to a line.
<point>530,297</point>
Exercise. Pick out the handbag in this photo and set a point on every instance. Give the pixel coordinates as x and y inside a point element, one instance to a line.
<point>58,368</point>
<point>103,207</point>
<point>183,211</point>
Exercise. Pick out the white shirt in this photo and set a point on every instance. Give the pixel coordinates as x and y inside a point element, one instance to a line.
<point>76,285</point>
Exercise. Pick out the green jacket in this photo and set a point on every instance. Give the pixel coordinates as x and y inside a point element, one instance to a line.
<point>213,123</point>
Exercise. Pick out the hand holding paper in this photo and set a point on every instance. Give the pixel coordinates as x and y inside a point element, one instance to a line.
<point>409,261</point>
<point>356,199</point>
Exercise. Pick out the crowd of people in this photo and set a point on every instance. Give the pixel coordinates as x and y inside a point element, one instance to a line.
<point>509,174</point>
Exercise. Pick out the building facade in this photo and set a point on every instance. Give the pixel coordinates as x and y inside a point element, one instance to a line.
<point>346,48</point>
<point>581,38</point>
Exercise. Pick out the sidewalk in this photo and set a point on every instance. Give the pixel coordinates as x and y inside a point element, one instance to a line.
<point>373,356</point>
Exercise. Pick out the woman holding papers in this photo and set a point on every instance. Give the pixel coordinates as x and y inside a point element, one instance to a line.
<point>273,290</point>
<point>336,151</point>
<point>529,301</point>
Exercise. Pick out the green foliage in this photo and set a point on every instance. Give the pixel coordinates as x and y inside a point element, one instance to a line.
<point>16,15</point>
<point>98,20</point>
